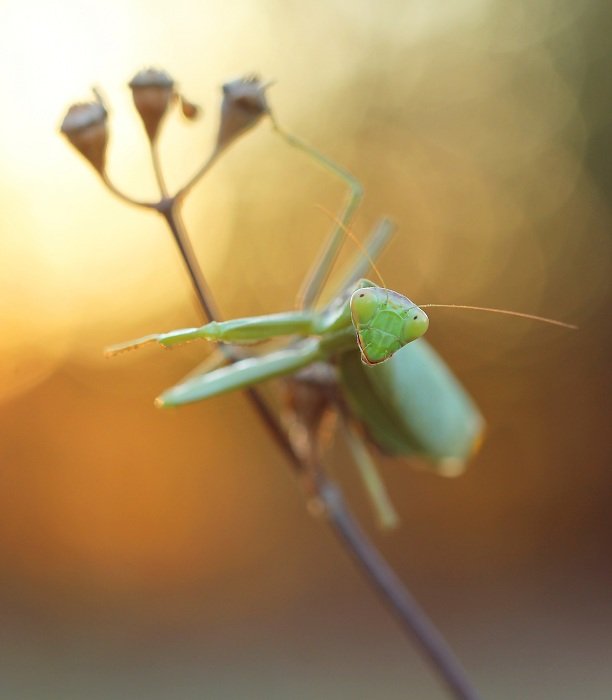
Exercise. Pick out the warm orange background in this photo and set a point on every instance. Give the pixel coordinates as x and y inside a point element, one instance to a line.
<point>169,555</point>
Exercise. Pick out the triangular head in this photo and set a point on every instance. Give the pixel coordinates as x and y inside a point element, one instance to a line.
<point>385,321</point>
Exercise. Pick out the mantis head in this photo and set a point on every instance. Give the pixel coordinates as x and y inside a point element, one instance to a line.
<point>385,321</point>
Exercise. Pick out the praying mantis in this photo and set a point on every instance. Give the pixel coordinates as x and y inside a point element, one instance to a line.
<point>361,358</point>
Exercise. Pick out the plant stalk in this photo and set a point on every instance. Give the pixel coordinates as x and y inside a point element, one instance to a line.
<point>169,209</point>
<point>413,619</point>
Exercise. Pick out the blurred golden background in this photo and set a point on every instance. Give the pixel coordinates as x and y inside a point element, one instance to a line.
<point>169,555</point>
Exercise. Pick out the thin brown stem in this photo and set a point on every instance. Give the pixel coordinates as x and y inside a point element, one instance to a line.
<point>124,197</point>
<point>170,210</point>
<point>413,619</point>
<point>157,169</point>
<point>212,159</point>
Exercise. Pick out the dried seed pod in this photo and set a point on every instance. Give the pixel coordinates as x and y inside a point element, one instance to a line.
<point>244,103</point>
<point>189,109</point>
<point>152,91</point>
<point>85,126</point>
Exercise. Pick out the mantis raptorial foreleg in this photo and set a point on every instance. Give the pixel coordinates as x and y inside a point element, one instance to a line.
<point>332,332</point>
<point>216,359</point>
<point>258,369</point>
<point>241,330</point>
<point>242,374</point>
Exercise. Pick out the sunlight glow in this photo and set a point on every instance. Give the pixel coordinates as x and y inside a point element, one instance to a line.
<point>67,246</point>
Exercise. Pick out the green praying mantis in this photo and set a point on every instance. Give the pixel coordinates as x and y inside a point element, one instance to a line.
<point>361,359</point>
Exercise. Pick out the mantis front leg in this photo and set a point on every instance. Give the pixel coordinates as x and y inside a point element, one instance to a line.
<point>251,329</point>
<point>331,331</point>
<point>242,374</point>
<point>253,370</point>
<point>241,330</point>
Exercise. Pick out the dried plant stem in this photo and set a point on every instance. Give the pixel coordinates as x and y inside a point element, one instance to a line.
<point>212,159</point>
<point>406,610</point>
<point>124,197</point>
<point>169,209</point>
<point>157,169</point>
<point>413,619</point>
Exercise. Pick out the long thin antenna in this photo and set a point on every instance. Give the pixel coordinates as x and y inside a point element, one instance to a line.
<point>506,312</point>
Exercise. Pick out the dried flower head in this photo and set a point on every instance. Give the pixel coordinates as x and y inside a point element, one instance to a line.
<point>152,91</point>
<point>85,127</point>
<point>244,103</point>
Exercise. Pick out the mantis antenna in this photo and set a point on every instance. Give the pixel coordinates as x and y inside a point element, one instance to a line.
<point>356,241</point>
<point>506,312</point>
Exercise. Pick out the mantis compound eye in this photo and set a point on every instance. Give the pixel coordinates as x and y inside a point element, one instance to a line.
<point>415,325</point>
<point>366,303</point>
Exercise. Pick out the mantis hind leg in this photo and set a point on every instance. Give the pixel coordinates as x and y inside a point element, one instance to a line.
<point>386,514</point>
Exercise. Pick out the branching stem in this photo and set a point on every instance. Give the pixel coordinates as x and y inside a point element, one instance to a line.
<point>122,196</point>
<point>207,165</point>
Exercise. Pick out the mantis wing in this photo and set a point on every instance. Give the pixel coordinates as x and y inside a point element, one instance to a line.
<point>413,405</point>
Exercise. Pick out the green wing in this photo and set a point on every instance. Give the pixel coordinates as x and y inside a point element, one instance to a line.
<point>412,405</point>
